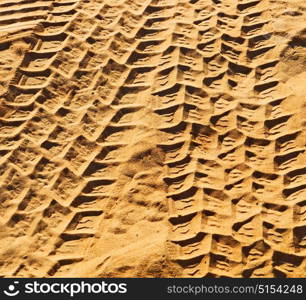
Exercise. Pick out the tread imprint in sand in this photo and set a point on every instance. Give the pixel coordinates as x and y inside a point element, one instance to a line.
<point>76,97</point>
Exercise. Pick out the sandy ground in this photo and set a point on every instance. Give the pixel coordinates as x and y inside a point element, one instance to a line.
<point>152,138</point>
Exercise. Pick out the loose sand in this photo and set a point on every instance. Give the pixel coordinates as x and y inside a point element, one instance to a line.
<point>152,138</point>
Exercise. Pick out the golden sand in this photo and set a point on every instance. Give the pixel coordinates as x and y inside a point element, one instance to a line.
<point>152,138</point>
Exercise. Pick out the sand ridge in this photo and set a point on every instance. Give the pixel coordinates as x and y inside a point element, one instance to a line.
<point>158,138</point>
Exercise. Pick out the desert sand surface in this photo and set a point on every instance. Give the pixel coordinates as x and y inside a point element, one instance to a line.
<point>152,138</point>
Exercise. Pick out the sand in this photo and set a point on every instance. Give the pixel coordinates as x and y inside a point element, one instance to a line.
<point>152,138</point>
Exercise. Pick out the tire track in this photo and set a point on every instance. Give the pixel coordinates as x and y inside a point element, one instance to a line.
<point>104,98</point>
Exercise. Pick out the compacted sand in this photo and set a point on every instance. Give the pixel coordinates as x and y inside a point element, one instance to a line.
<point>152,138</point>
